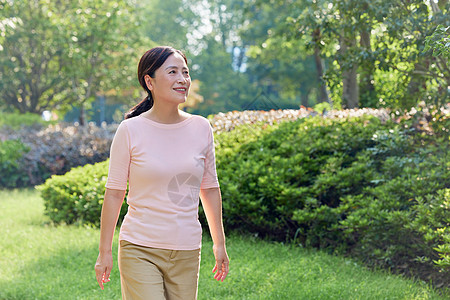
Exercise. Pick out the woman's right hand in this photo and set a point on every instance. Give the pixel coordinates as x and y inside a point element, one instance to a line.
<point>110,213</point>
<point>103,268</point>
<point>222,262</point>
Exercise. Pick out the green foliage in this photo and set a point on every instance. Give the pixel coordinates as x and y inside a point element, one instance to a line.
<point>439,42</point>
<point>348,185</point>
<point>322,107</point>
<point>11,151</point>
<point>227,89</point>
<point>380,41</point>
<point>77,196</point>
<point>377,190</point>
<point>16,120</point>
<point>57,54</point>
<point>281,59</point>
<point>290,169</point>
<point>167,22</point>
<point>431,218</point>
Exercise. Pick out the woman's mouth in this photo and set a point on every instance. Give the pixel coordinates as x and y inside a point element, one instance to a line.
<point>180,90</point>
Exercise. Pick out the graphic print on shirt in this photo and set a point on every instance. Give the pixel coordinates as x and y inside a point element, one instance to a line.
<point>183,190</point>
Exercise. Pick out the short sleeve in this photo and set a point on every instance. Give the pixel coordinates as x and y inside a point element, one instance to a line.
<point>210,175</point>
<point>120,158</point>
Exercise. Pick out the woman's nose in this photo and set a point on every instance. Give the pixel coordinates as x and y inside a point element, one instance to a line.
<point>182,79</point>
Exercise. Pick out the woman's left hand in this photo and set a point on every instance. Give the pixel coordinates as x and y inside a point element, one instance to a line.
<point>222,263</point>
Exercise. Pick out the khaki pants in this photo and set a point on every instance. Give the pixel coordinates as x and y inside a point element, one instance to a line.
<point>157,274</point>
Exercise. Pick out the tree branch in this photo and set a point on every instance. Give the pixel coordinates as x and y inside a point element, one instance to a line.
<point>442,66</point>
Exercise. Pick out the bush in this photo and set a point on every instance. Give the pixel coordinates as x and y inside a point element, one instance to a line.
<point>11,151</point>
<point>290,170</point>
<point>430,218</point>
<point>348,185</point>
<point>56,149</point>
<point>16,121</point>
<point>354,185</point>
<point>77,196</point>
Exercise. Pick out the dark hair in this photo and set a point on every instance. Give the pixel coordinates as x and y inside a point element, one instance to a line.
<point>152,60</point>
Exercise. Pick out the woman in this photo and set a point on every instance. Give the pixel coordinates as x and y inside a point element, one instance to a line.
<point>167,158</point>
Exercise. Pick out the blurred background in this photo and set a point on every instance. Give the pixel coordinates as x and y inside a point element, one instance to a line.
<point>76,60</point>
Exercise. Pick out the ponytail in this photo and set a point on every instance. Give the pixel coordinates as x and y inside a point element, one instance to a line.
<point>141,107</point>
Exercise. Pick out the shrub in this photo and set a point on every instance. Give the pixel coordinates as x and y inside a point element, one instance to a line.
<point>430,217</point>
<point>349,185</point>
<point>11,151</point>
<point>375,189</point>
<point>290,169</point>
<point>56,149</point>
<point>77,196</point>
<point>15,120</point>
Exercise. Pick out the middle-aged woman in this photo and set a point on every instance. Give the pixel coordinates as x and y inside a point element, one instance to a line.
<point>166,157</point>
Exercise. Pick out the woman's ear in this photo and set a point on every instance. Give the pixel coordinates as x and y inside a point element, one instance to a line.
<point>148,82</point>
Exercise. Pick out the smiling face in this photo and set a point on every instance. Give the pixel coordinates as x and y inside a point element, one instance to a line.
<point>171,81</point>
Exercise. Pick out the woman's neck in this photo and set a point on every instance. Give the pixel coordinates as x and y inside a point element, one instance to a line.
<point>165,114</point>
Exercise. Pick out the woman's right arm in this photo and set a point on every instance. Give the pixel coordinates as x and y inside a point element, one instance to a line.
<point>110,213</point>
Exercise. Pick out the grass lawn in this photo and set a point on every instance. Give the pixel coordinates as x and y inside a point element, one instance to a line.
<point>42,261</point>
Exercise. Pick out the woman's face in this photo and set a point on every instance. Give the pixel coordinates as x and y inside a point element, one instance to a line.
<point>171,81</point>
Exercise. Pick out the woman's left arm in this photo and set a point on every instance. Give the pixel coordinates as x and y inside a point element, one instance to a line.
<point>212,205</point>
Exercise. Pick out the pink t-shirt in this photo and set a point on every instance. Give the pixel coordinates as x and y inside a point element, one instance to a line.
<point>165,165</point>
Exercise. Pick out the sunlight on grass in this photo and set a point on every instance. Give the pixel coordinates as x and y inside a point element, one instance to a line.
<point>43,261</point>
<point>261,270</point>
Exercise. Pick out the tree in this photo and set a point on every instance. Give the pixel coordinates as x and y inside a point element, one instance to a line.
<point>294,38</point>
<point>31,75</point>
<point>372,46</point>
<point>222,87</point>
<point>60,54</point>
<point>217,54</point>
<point>405,26</point>
<point>168,22</point>
<point>103,39</point>
<point>439,45</point>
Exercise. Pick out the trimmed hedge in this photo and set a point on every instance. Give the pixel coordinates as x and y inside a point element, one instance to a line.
<point>376,190</point>
<point>55,148</point>
<point>353,185</point>
<point>11,152</point>
<point>77,196</point>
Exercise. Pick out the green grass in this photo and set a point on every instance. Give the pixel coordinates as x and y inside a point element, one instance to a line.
<point>42,261</point>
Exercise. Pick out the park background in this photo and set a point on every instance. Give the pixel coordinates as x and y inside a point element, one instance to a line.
<point>345,103</point>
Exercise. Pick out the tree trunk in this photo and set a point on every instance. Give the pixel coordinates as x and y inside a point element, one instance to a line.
<point>82,117</point>
<point>350,92</point>
<point>366,86</point>
<point>323,92</point>
<point>240,58</point>
<point>304,99</point>
<point>435,7</point>
<point>417,84</point>
<point>221,28</point>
